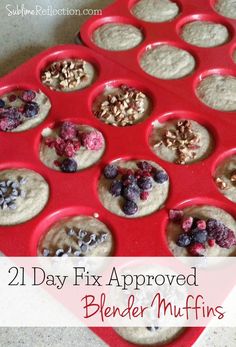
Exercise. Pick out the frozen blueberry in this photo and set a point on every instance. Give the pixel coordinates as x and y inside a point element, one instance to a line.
<point>199,236</point>
<point>128,178</point>
<point>8,124</point>
<point>110,171</point>
<point>183,240</point>
<point>116,188</point>
<point>130,208</point>
<point>131,192</point>
<point>2,103</point>
<point>145,183</point>
<point>31,109</point>
<point>160,176</point>
<point>68,165</point>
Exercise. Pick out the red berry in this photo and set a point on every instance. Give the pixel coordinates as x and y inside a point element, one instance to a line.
<point>144,195</point>
<point>211,242</point>
<point>12,97</point>
<point>197,249</point>
<point>28,95</point>
<point>68,131</point>
<point>176,215</point>
<point>201,224</point>
<point>187,224</point>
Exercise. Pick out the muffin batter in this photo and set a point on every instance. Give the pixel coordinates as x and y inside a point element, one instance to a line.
<point>76,236</point>
<point>218,92</point>
<point>155,10</point>
<point>24,194</point>
<point>167,62</point>
<point>205,34</point>
<point>226,8</point>
<point>117,37</point>
<point>225,178</point>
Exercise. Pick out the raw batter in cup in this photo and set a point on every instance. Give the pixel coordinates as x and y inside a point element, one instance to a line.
<point>155,10</point>
<point>180,141</point>
<point>76,236</point>
<point>167,62</point>
<point>23,194</point>
<point>21,110</point>
<point>225,177</point>
<point>218,92</point>
<point>117,36</point>
<point>226,8</point>
<point>201,231</point>
<point>133,188</point>
<point>204,34</point>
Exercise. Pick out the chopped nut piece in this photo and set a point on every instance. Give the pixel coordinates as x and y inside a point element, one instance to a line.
<point>220,183</point>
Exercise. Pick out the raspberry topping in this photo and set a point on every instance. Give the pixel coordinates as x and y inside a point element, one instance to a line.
<point>197,233</point>
<point>68,131</point>
<point>92,140</point>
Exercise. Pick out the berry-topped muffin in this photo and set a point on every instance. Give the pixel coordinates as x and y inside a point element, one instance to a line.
<point>76,236</point>
<point>133,188</point>
<point>201,231</point>
<point>71,147</point>
<point>23,109</point>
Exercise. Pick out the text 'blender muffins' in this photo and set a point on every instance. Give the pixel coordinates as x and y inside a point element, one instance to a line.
<point>23,194</point>
<point>201,231</point>
<point>76,236</point>
<point>22,110</point>
<point>71,147</point>
<point>133,188</point>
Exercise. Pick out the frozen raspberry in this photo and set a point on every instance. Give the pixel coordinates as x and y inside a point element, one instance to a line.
<point>211,243</point>
<point>127,179</point>
<point>28,95</point>
<point>110,171</point>
<point>68,165</point>
<point>21,109</point>
<point>68,131</point>
<point>199,236</point>
<point>2,103</point>
<point>31,109</point>
<point>197,249</point>
<point>92,140</point>
<point>144,166</point>
<point>131,192</point>
<point>187,224</point>
<point>69,150</point>
<point>146,174</point>
<point>176,215</point>
<point>130,208</point>
<point>160,176</point>
<point>144,195</point>
<point>201,224</point>
<point>183,240</point>
<point>50,142</point>
<point>12,97</point>
<point>223,236</point>
<point>116,188</point>
<point>145,183</point>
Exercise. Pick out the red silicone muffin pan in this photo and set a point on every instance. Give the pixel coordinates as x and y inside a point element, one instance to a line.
<point>76,193</point>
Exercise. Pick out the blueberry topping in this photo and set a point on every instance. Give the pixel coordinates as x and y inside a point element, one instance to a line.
<point>110,171</point>
<point>68,165</point>
<point>2,103</point>
<point>145,183</point>
<point>31,109</point>
<point>130,208</point>
<point>116,188</point>
<point>184,240</point>
<point>131,192</point>
<point>199,236</point>
<point>160,176</point>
